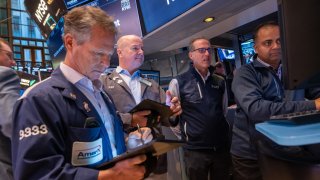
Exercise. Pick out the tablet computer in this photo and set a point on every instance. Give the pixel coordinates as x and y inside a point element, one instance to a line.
<point>154,147</point>
<point>157,109</point>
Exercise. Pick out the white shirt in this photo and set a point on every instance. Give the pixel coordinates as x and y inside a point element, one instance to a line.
<point>92,90</point>
<point>132,81</point>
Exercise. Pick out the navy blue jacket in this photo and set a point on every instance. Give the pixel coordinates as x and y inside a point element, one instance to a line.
<point>259,94</point>
<point>202,122</point>
<point>48,121</point>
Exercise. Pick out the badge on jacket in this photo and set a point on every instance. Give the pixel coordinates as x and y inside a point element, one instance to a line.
<point>86,153</point>
<point>86,106</point>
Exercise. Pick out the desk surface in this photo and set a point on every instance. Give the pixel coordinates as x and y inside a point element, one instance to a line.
<point>288,133</point>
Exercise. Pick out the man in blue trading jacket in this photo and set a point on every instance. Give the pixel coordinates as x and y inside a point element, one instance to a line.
<point>259,94</point>
<point>65,125</point>
<point>204,102</point>
<point>9,93</point>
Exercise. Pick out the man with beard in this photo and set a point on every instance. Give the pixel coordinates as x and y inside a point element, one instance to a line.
<point>259,94</point>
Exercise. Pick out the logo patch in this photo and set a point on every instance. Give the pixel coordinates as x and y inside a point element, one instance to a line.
<point>86,153</point>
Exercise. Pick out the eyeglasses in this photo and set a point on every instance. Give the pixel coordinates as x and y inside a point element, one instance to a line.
<point>203,50</point>
<point>8,53</point>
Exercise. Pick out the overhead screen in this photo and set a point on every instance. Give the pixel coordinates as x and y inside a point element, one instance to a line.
<point>45,13</point>
<point>156,13</point>
<point>73,3</point>
<point>125,15</point>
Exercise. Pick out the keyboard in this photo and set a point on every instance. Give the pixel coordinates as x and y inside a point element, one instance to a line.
<point>299,117</point>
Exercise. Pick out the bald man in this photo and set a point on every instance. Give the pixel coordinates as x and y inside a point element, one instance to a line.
<point>127,88</point>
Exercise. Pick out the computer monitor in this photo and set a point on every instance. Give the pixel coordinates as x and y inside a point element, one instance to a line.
<point>247,50</point>
<point>156,13</point>
<point>225,54</point>
<point>300,38</point>
<point>45,14</point>
<point>73,3</point>
<point>151,74</point>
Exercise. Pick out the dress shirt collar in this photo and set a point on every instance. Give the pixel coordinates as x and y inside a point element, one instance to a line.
<point>203,78</point>
<point>75,77</point>
<point>122,71</point>
<point>262,62</point>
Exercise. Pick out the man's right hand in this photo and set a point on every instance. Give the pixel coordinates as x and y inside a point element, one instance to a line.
<point>126,169</point>
<point>140,118</point>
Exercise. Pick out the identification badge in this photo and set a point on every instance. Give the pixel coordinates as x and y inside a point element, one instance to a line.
<point>86,153</point>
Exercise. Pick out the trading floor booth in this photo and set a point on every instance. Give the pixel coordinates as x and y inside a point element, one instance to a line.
<point>291,149</point>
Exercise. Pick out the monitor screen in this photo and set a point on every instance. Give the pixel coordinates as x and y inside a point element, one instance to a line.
<point>225,54</point>
<point>300,39</point>
<point>247,50</point>
<point>45,14</point>
<point>125,15</point>
<point>126,18</point>
<point>151,74</point>
<point>156,13</point>
<point>55,42</point>
<point>73,3</point>
<point>27,80</point>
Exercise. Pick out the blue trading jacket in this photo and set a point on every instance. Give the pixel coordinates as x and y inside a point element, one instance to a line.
<point>48,121</point>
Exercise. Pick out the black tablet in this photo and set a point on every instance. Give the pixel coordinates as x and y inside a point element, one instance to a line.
<point>154,147</point>
<point>157,109</point>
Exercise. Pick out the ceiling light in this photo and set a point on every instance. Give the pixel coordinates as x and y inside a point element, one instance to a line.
<point>208,19</point>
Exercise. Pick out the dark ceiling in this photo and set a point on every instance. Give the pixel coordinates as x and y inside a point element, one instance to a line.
<point>234,16</point>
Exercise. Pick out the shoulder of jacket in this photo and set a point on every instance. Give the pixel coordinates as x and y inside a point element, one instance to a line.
<point>217,77</point>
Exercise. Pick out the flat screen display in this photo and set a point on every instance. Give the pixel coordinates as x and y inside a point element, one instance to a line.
<point>126,18</point>
<point>247,51</point>
<point>156,13</point>
<point>225,54</point>
<point>151,74</point>
<point>125,15</point>
<point>55,42</point>
<point>45,13</point>
<point>73,3</point>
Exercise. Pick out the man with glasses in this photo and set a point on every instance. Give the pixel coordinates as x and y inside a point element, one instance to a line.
<point>204,102</point>
<point>9,93</point>
<point>6,55</point>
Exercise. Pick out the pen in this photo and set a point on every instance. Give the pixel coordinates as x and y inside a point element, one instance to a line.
<point>139,130</point>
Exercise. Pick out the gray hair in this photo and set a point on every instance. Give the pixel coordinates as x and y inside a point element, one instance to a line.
<point>191,46</point>
<point>80,20</point>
